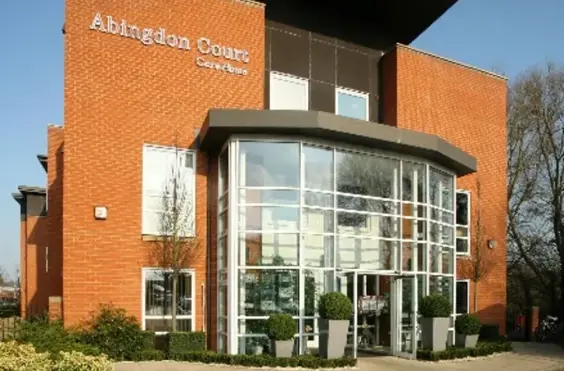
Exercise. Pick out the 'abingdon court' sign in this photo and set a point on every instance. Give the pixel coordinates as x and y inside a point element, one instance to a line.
<point>148,36</point>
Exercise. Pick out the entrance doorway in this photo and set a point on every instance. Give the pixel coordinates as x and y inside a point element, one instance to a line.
<point>385,319</point>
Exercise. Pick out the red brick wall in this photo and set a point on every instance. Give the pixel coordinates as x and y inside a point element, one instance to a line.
<point>120,94</point>
<point>35,278</point>
<point>466,107</point>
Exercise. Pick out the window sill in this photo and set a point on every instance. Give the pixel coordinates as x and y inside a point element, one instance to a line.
<point>463,255</point>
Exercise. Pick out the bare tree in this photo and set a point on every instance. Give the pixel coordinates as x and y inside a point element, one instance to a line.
<point>536,179</point>
<point>177,247</point>
<point>480,263</point>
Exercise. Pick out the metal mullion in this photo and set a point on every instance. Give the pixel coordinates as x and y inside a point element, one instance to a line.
<point>301,286</point>
<point>399,220</point>
<point>428,230</point>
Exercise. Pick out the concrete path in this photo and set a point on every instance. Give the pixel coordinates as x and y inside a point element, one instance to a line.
<point>527,357</point>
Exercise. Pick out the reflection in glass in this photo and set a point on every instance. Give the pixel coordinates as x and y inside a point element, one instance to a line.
<point>318,250</point>
<point>413,182</point>
<point>269,196</point>
<point>316,283</point>
<point>258,249</point>
<point>318,220</point>
<point>269,164</point>
<point>366,175</point>
<point>266,291</point>
<point>352,105</point>
<point>158,293</point>
<point>318,166</point>
<point>357,253</point>
<point>269,218</point>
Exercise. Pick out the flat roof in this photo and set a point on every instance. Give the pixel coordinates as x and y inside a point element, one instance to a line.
<point>222,123</point>
<point>374,24</point>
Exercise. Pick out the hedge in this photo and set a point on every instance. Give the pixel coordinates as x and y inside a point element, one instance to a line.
<point>262,360</point>
<point>148,355</point>
<point>181,342</point>
<point>482,349</point>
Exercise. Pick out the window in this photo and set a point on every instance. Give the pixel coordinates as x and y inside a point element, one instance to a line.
<point>352,104</point>
<point>288,92</point>
<point>157,300</point>
<point>462,222</point>
<point>168,190</point>
<point>462,296</point>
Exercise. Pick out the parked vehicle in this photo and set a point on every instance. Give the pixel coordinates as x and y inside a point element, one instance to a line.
<point>548,329</point>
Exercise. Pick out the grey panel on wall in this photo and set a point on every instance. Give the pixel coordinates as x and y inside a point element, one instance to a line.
<point>322,97</point>
<point>374,87</point>
<point>353,70</point>
<point>322,62</point>
<point>289,53</point>
<point>267,43</point>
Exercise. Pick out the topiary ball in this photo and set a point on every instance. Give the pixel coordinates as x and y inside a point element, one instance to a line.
<point>335,306</point>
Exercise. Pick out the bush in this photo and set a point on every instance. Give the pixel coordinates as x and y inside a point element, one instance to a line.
<point>115,333</point>
<point>482,349</point>
<point>75,361</point>
<point>148,355</point>
<point>52,337</point>
<point>179,342</point>
<point>264,360</point>
<point>281,326</point>
<point>435,306</point>
<point>22,357</point>
<point>335,306</point>
<point>467,324</point>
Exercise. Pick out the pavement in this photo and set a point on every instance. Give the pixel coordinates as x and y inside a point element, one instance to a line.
<point>526,357</point>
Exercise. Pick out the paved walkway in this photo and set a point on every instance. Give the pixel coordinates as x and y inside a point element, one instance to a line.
<point>527,357</point>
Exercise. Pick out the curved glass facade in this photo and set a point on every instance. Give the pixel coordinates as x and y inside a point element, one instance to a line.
<point>295,217</point>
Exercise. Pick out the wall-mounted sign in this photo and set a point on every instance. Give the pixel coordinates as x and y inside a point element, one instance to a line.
<point>212,55</point>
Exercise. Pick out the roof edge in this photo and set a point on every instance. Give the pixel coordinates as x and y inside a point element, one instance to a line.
<point>465,65</point>
<point>31,190</point>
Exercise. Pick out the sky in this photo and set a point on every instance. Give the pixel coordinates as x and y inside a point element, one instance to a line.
<point>506,36</point>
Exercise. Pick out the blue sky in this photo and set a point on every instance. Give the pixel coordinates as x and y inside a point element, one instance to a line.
<point>502,35</point>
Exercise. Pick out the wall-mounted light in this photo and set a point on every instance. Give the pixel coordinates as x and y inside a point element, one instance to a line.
<point>492,244</point>
<point>100,212</point>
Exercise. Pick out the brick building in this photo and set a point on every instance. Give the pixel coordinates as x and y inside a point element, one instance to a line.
<point>352,162</point>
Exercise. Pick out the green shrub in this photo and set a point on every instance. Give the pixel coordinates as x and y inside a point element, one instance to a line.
<point>435,306</point>
<point>22,357</point>
<point>52,337</point>
<point>335,306</point>
<point>115,333</point>
<point>281,326</point>
<point>262,360</point>
<point>75,361</point>
<point>148,340</point>
<point>467,324</point>
<point>148,355</point>
<point>179,342</point>
<point>482,349</point>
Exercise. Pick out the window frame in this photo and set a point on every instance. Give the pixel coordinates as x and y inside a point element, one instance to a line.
<point>275,75</point>
<point>354,93</point>
<point>468,227</point>
<point>467,282</point>
<point>183,153</point>
<point>145,317</point>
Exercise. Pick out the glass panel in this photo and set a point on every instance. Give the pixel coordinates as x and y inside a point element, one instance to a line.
<point>318,199</point>
<point>367,175</point>
<point>448,235</point>
<point>461,297</point>
<point>366,205</point>
<point>461,231</point>
<point>413,182</point>
<point>352,105</point>
<point>253,326</point>
<point>269,196</point>
<point>436,259</point>
<point>441,285</point>
<point>222,301</point>
<point>318,220</point>
<point>270,164</point>
<point>406,315</point>
<point>413,210</point>
<point>422,257</point>
<point>448,258</point>
<point>158,294</point>
<point>353,253</point>
<point>222,222</point>
<point>318,165</point>
<point>254,345</point>
<point>407,256</point>
<point>441,189</point>
<point>222,325</point>
<point>223,172</point>
<point>435,233</point>
<point>367,225</point>
<point>316,282</point>
<point>264,291</point>
<point>447,217</point>
<point>269,218</point>
<point>462,208</point>
<point>268,249</point>
<point>165,325</point>
<point>317,250</point>
<point>462,245</point>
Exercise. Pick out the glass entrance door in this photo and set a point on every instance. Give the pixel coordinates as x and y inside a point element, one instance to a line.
<point>404,316</point>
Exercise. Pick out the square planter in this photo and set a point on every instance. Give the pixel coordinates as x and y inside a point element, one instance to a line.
<point>282,348</point>
<point>466,341</point>
<point>332,338</point>
<point>434,333</point>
